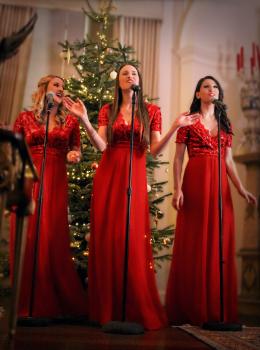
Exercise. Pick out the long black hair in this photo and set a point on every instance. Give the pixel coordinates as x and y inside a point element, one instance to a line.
<point>142,112</point>
<point>196,103</point>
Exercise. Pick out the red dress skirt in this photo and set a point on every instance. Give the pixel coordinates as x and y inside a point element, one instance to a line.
<point>193,292</point>
<point>108,227</point>
<point>58,290</point>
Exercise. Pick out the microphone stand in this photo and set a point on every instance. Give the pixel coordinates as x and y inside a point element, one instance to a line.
<point>124,327</point>
<point>30,320</point>
<point>18,176</point>
<point>221,325</point>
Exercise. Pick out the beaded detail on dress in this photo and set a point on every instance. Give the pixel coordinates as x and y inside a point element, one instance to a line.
<point>199,141</point>
<point>60,138</point>
<point>121,129</point>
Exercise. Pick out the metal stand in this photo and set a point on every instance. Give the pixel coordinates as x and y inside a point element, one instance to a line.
<point>221,325</point>
<point>124,327</point>
<point>15,190</point>
<point>31,321</point>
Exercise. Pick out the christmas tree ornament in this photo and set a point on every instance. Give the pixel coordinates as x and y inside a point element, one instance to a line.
<point>113,75</point>
<point>87,237</point>
<point>94,166</point>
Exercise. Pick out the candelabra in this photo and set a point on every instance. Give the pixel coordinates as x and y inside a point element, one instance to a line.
<point>248,153</point>
<point>250,101</point>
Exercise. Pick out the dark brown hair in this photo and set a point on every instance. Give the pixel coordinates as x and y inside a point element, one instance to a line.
<point>195,105</point>
<point>142,112</point>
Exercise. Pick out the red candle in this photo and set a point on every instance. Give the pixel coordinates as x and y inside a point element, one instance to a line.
<point>238,62</point>
<point>241,57</point>
<point>252,65</point>
<point>253,55</point>
<point>258,56</point>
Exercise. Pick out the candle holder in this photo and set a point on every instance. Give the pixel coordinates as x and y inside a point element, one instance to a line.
<point>250,101</point>
<point>250,104</point>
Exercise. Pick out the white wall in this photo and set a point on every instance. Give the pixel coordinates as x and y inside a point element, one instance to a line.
<point>199,38</point>
<point>52,26</point>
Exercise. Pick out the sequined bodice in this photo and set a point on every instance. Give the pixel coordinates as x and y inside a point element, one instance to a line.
<point>199,141</point>
<point>60,139</point>
<point>122,129</point>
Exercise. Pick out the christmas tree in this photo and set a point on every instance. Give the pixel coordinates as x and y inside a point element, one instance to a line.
<point>96,60</point>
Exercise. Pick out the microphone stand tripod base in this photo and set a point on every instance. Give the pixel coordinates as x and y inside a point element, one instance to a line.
<point>222,326</point>
<point>117,327</point>
<point>29,321</point>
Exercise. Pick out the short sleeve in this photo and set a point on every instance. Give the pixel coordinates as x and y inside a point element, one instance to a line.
<point>103,115</point>
<point>229,140</point>
<point>75,133</point>
<point>19,123</point>
<point>182,135</point>
<point>155,117</point>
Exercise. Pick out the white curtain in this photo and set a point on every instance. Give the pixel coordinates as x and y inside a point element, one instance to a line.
<point>143,35</point>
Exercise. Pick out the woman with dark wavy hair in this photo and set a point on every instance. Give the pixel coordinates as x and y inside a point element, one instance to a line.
<point>193,288</point>
<point>55,273</point>
<point>109,205</point>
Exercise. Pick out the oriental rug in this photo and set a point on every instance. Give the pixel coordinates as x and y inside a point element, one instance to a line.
<point>247,339</point>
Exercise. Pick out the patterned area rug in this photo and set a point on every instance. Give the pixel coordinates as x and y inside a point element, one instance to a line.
<point>247,339</point>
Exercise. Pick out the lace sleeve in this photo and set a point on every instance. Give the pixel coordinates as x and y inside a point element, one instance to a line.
<point>229,140</point>
<point>19,124</point>
<point>182,135</point>
<point>155,117</point>
<point>103,115</point>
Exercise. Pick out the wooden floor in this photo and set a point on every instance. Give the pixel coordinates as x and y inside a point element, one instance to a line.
<point>83,336</point>
<point>76,337</point>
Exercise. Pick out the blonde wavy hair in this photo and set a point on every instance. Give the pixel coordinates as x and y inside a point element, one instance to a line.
<point>38,100</point>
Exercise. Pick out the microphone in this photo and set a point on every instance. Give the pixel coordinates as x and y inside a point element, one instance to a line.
<point>219,104</point>
<point>135,88</point>
<point>50,100</point>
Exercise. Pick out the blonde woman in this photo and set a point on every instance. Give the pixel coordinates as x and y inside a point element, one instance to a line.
<point>55,273</point>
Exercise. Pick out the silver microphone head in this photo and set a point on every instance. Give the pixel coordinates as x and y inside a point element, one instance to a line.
<point>50,99</point>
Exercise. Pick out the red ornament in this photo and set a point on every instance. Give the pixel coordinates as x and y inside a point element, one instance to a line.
<point>94,166</point>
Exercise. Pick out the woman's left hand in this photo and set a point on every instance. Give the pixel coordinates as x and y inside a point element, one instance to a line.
<point>73,156</point>
<point>77,108</point>
<point>249,197</point>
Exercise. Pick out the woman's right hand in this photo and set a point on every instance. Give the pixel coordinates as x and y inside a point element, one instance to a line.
<point>77,108</point>
<point>186,119</point>
<point>177,199</point>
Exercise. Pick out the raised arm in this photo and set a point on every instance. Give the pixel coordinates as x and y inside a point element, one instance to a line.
<point>234,177</point>
<point>157,143</point>
<point>98,139</point>
<point>177,200</point>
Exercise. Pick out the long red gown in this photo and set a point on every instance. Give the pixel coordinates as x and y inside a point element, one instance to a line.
<point>108,226</point>
<point>58,290</point>
<point>193,288</point>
